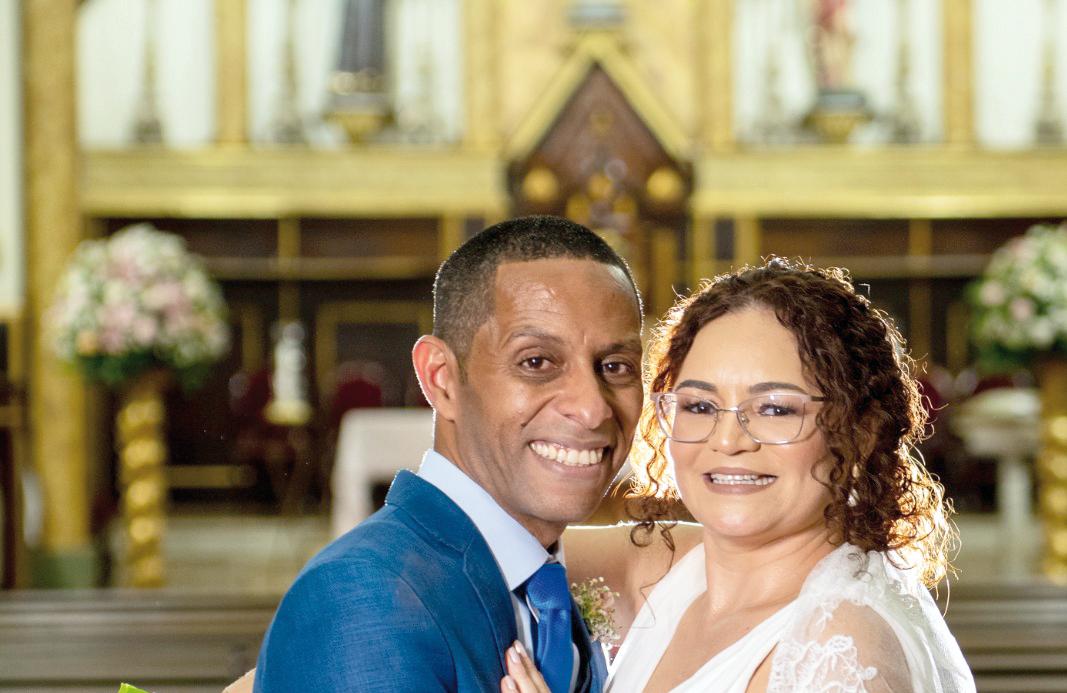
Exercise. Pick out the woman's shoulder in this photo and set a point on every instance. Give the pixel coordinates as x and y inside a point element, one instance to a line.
<point>871,609</point>
<point>631,559</point>
<point>627,552</point>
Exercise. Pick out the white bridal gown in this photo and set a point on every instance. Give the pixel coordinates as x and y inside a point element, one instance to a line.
<point>843,633</point>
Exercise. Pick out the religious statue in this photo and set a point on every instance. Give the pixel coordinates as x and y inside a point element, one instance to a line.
<point>289,405</point>
<point>832,41</point>
<point>839,106</point>
<point>360,102</point>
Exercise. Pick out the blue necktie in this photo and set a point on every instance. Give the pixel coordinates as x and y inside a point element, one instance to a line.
<point>554,654</point>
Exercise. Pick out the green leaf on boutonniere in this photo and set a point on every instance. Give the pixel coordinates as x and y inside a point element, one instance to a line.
<point>596,604</point>
<point>127,688</point>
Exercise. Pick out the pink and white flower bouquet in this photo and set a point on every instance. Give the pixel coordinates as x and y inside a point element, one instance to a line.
<point>137,301</point>
<point>1019,305</point>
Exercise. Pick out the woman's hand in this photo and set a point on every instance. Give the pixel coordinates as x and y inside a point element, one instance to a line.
<point>523,676</point>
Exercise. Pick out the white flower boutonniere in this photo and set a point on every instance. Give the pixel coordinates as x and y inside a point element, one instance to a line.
<point>596,604</point>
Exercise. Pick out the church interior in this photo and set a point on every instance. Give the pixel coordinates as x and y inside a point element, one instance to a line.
<point>301,167</point>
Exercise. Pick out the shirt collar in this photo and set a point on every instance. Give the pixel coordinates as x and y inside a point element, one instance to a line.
<point>517,552</point>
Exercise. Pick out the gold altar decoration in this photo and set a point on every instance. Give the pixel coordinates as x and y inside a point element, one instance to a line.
<point>835,125</point>
<point>142,452</point>
<point>1052,466</point>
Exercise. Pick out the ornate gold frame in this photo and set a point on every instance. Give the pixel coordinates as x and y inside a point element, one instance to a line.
<point>332,314</point>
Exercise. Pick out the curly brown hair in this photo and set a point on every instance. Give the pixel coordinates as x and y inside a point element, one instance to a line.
<point>883,498</point>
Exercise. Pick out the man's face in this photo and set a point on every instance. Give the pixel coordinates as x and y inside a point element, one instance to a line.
<point>552,392</point>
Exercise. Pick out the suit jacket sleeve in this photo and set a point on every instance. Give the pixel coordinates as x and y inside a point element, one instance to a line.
<point>353,626</point>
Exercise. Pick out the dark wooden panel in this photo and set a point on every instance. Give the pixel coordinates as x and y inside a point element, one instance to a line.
<point>251,238</point>
<point>834,237</point>
<point>964,236</point>
<point>361,238</point>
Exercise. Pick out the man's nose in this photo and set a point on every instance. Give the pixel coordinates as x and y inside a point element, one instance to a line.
<point>729,437</point>
<point>584,400</point>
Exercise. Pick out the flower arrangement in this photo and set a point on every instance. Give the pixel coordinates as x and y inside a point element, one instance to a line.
<point>138,301</point>
<point>596,604</point>
<point>1019,305</point>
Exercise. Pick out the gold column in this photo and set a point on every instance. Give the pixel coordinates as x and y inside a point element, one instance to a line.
<point>231,85</point>
<point>141,444</point>
<point>958,67</point>
<point>54,227</point>
<point>288,263</point>
<point>664,262</point>
<point>748,240</point>
<point>481,78</point>
<point>701,256</point>
<point>920,291</point>
<point>449,235</point>
<point>1052,467</point>
<point>715,81</point>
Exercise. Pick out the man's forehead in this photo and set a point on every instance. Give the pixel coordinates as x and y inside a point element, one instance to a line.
<point>544,281</point>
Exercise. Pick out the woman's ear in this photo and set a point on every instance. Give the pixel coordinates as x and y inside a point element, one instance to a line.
<point>437,369</point>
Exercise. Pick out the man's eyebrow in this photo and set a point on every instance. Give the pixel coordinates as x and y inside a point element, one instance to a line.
<point>625,345</point>
<point>534,333</point>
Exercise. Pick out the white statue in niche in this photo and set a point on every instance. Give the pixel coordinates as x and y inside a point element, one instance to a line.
<point>288,405</point>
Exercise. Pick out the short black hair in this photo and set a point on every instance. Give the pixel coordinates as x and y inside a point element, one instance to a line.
<point>463,288</point>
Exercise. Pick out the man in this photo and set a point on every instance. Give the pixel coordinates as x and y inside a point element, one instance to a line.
<point>533,371</point>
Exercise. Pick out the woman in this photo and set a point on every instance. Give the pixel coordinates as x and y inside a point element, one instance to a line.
<point>783,413</point>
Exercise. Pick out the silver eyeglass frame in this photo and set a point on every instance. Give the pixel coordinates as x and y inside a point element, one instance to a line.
<point>657,397</point>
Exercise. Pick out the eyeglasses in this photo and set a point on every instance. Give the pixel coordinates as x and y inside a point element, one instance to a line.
<point>771,419</point>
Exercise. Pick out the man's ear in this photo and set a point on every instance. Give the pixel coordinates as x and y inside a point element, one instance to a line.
<point>437,369</point>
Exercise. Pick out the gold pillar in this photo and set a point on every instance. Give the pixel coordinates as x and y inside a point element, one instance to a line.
<point>288,262</point>
<point>920,291</point>
<point>958,71</point>
<point>481,78</point>
<point>1052,467</point>
<point>450,232</point>
<point>715,81</point>
<point>748,240</point>
<point>664,262</point>
<point>142,447</point>
<point>54,227</point>
<point>702,260</point>
<point>231,85</point>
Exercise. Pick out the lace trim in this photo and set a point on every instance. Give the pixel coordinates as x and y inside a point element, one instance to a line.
<point>830,667</point>
<point>865,589</point>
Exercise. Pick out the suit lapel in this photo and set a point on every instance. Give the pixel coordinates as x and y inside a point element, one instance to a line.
<point>594,670</point>
<point>489,585</point>
<point>439,517</point>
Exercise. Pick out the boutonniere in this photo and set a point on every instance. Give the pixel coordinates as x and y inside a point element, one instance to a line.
<point>596,604</point>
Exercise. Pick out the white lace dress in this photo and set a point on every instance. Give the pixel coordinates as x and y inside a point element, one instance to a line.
<point>858,625</point>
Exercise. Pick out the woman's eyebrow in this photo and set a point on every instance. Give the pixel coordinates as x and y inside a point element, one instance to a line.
<point>697,384</point>
<point>773,385</point>
<point>758,388</point>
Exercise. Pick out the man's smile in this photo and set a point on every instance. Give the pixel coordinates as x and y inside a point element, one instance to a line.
<point>570,456</point>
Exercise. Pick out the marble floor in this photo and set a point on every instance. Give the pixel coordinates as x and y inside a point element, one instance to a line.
<point>261,554</point>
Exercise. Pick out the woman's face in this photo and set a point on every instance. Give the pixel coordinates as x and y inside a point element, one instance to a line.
<point>735,487</point>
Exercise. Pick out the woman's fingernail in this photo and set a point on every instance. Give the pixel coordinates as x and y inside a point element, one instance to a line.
<point>510,683</point>
<point>513,654</point>
<point>519,647</point>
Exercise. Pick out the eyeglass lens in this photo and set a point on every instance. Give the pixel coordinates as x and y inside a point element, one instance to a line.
<point>771,418</point>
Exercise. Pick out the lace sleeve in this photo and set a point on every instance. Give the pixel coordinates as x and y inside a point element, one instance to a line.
<point>849,650</point>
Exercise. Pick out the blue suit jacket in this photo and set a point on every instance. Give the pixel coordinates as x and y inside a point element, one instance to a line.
<point>410,600</point>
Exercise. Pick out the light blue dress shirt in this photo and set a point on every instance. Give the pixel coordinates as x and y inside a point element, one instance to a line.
<point>518,553</point>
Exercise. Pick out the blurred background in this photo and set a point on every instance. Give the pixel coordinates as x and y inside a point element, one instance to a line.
<point>190,410</point>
